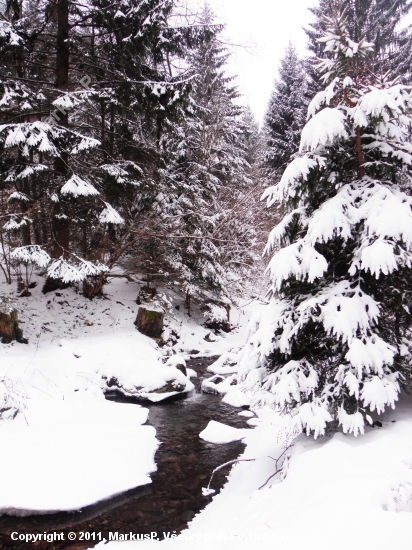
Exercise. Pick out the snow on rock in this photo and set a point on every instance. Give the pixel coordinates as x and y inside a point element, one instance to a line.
<point>217,384</point>
<point>238,397</point>
<point>127,362</point>
<point>226,364</point>
<point>216,432</point>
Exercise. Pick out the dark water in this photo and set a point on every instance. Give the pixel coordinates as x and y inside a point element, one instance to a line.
<point>184,462</point>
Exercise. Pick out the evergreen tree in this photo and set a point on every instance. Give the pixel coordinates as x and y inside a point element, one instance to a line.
<point>81,128</point>
<point>400,58</point>
<point>286,113</point>
<point>205,178</point>
<point>333,342</point>
<point>377,21</point>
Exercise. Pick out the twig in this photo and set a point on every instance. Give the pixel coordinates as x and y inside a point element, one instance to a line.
<point>278,470</point>
<point>228,464</point>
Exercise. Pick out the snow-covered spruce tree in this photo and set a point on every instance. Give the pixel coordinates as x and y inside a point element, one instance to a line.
<point>285,114</point>
<point>47,177</point>
<point>80,128</point>
<point>400,58</point>
<point>333,342</point>
<point>377,21</point>
<point>205,178</point>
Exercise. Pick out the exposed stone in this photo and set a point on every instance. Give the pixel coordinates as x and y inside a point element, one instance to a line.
<point>171,386</point>
<point>9,324</point>
<point>178,362</point>
<point>149,323</point>
<point>182,369</point>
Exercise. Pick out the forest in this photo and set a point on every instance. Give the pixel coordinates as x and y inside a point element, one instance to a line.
<point>180,279</point>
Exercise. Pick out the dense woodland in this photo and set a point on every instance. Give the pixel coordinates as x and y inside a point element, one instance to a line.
<point>125,149</point>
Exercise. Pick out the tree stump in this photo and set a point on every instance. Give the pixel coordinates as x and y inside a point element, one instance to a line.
<point>9,325</point>
<point>149,323</point>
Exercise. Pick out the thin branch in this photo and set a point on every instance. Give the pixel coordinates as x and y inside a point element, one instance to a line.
<point>228,464</point>
<point>278,470</point>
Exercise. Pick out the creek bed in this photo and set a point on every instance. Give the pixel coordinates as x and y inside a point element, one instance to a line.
<point>184,465</point>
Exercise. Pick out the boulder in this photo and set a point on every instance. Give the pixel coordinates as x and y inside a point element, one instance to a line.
<point>149,323</point>
<point>210,337</point>
<point>178,362</point>
<point>9,324</point>
<point>171,386</point>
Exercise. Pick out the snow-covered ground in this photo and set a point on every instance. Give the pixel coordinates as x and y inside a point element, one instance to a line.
<point>68,447</point>
<point>339,492</point>
<point>73,452</point>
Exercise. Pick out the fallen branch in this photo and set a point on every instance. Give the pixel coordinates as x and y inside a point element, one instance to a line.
<point>121,276</point>
<point>278,470</point>
<point>208,491</point>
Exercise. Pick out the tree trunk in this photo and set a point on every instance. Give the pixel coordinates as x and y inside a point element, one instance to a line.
<point>61,226</point>
<point>93,286</point>
<point>359,153</point>
<point>111,137</point>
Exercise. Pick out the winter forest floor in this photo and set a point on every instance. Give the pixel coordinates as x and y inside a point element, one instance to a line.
<point>69,447</point>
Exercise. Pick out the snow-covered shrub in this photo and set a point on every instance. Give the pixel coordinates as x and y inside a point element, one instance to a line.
<point>217,316</point>
<point>24,259</point>
<point>91,274</point>
<point>333,339</point>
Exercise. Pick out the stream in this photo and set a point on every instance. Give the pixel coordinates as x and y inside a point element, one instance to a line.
<point>184,466</point>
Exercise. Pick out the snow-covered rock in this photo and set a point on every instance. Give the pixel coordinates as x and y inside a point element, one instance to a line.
<point>216,432</point>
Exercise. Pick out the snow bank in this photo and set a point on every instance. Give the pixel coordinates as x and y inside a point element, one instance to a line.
<point>69,447</point>
<point>73,452</point>
<point>125,361</point>
<point>336,494</point>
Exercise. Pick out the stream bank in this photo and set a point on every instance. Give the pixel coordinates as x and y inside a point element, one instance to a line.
<point>184,461</point>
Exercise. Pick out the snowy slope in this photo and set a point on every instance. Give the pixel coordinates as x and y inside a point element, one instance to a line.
<point>338,493</point>
<point>69,447</point>
<point>72,453</point>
